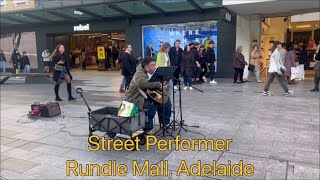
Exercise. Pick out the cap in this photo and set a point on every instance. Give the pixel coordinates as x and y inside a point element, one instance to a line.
<point>191,44</point>
<point>276,43</point>
<point>202,46</point>
<point>196,43</point>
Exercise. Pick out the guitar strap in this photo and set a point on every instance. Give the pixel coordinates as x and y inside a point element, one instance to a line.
<point>140,90</point>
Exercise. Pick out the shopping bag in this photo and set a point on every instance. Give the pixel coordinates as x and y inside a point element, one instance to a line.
<point>127,109</point>
<point>295,73</point>
<point>302,71</point>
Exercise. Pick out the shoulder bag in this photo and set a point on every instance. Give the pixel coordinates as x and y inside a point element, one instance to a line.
<point>58,67</point>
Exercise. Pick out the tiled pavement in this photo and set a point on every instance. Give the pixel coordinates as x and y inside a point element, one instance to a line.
<point>278,135</point>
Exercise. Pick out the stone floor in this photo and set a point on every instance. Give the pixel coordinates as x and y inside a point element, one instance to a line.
<point>278,135</point>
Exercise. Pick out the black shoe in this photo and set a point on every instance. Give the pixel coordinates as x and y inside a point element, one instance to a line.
<point>58,99</point>
<point>71,98</point>
<point>315,90</point>
<point>235,82</point>
<point>242,82</point>
<point>199,82</point>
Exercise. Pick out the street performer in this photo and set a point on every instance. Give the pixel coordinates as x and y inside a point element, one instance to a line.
<point>140,80</point>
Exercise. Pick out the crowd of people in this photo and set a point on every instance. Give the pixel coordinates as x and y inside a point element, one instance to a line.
<point>21,63</point>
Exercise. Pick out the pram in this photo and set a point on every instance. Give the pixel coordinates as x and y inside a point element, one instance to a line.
<point>106,120</point>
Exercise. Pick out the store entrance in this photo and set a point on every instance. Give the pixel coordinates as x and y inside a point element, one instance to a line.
<point>304,36</point>
<point>92,51</point>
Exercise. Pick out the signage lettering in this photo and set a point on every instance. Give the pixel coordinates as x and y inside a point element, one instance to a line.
<point>81,27</point>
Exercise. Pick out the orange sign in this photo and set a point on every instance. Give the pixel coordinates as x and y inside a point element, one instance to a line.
<point>101,53</point>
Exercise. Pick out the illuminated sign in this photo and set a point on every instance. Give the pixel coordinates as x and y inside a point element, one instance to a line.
<point>81,27</point>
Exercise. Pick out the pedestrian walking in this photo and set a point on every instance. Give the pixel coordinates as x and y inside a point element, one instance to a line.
<point>61,71</point>
<point>46,58</point>
<point>2,61</point>
<point>290,61</point>
<point>239,64</point>
<point>275,70</point>
<point>255,60</point>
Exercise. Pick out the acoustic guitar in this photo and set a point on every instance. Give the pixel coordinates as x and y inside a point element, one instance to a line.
<point>156,98</point>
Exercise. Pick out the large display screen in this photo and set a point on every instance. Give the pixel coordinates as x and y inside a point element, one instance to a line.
<point>202,32</point>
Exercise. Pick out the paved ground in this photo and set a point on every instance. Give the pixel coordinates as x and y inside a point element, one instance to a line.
<point>278,135</point>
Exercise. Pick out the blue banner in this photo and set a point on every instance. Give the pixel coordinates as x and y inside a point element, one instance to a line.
<point>202,32</point>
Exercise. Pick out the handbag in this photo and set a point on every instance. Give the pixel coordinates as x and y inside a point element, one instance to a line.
<point>58,67</point>
<point>251,67</point>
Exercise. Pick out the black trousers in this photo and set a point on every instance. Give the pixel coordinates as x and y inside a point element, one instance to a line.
<point>176,76</point>
<point>203,69</point>
<point>212,71</point>
<point>128,80</point>
<point>238,72</point>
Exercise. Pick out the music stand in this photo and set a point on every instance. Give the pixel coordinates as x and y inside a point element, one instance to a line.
<point>163,74</point>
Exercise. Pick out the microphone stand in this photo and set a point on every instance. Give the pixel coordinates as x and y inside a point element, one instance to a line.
<point>181,124</point>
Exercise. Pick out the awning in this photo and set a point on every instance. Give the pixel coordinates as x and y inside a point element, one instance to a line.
<point>275,8</point>
<point>48,11</point>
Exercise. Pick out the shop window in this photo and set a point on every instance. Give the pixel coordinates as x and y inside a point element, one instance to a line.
<point>16,2</point>
<point>4,3</point>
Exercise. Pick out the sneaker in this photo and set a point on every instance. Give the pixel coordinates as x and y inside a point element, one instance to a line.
<point>175,87</point>
<point>266,93</point>
<point>122,90</point>
<point>204,79</point>
<point>185,88</point>
<point>151,132</point>
<point>199,82</point>
<point>213,82</point>
<point>259,81</point>
<point>290,93</point>
<point>191,88</point>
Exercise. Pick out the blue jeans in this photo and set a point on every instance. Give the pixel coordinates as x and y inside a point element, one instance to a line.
<point>3,66</point>
<point>150,114</point>
<point>26,69</point>
<point>187,80</point>
<point>256,73</point>
<point>123,83</point>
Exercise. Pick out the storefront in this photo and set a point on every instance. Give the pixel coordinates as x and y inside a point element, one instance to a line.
<point>222,21</point>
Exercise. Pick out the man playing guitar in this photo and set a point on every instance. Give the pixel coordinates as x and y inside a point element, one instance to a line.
<point>140,84</point>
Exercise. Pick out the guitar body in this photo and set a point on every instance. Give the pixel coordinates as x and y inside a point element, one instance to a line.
<point>156,98</point>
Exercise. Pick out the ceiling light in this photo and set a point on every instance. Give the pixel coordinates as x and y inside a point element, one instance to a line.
<point>303,26</point>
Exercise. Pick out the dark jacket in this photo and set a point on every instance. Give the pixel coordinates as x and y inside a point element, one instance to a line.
<point>149,52</point>
<point>175,56</point>
<point>14,57</point>
<point>202,57</point>
<point>3,58</point>
<point>303,57</point>
<point>186,65</point>
<point>139,80</point>
<point>55,60</point>
<point>211,57</point>
<point>238,60</point>
<point>195,53</point>
<point>129,64</point>
<point>24,60</point>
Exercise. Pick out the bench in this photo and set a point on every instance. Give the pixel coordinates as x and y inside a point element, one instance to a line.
<point>8,76</point>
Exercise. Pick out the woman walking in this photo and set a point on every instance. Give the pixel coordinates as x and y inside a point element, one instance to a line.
<point>203,64</point>
<point>317,70</point>
<point>61,71</point>
<point>186,66</point>
<point>275,70</point>
<point>290,61</point>
<point>239,64</point>
<point>255,61</point>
